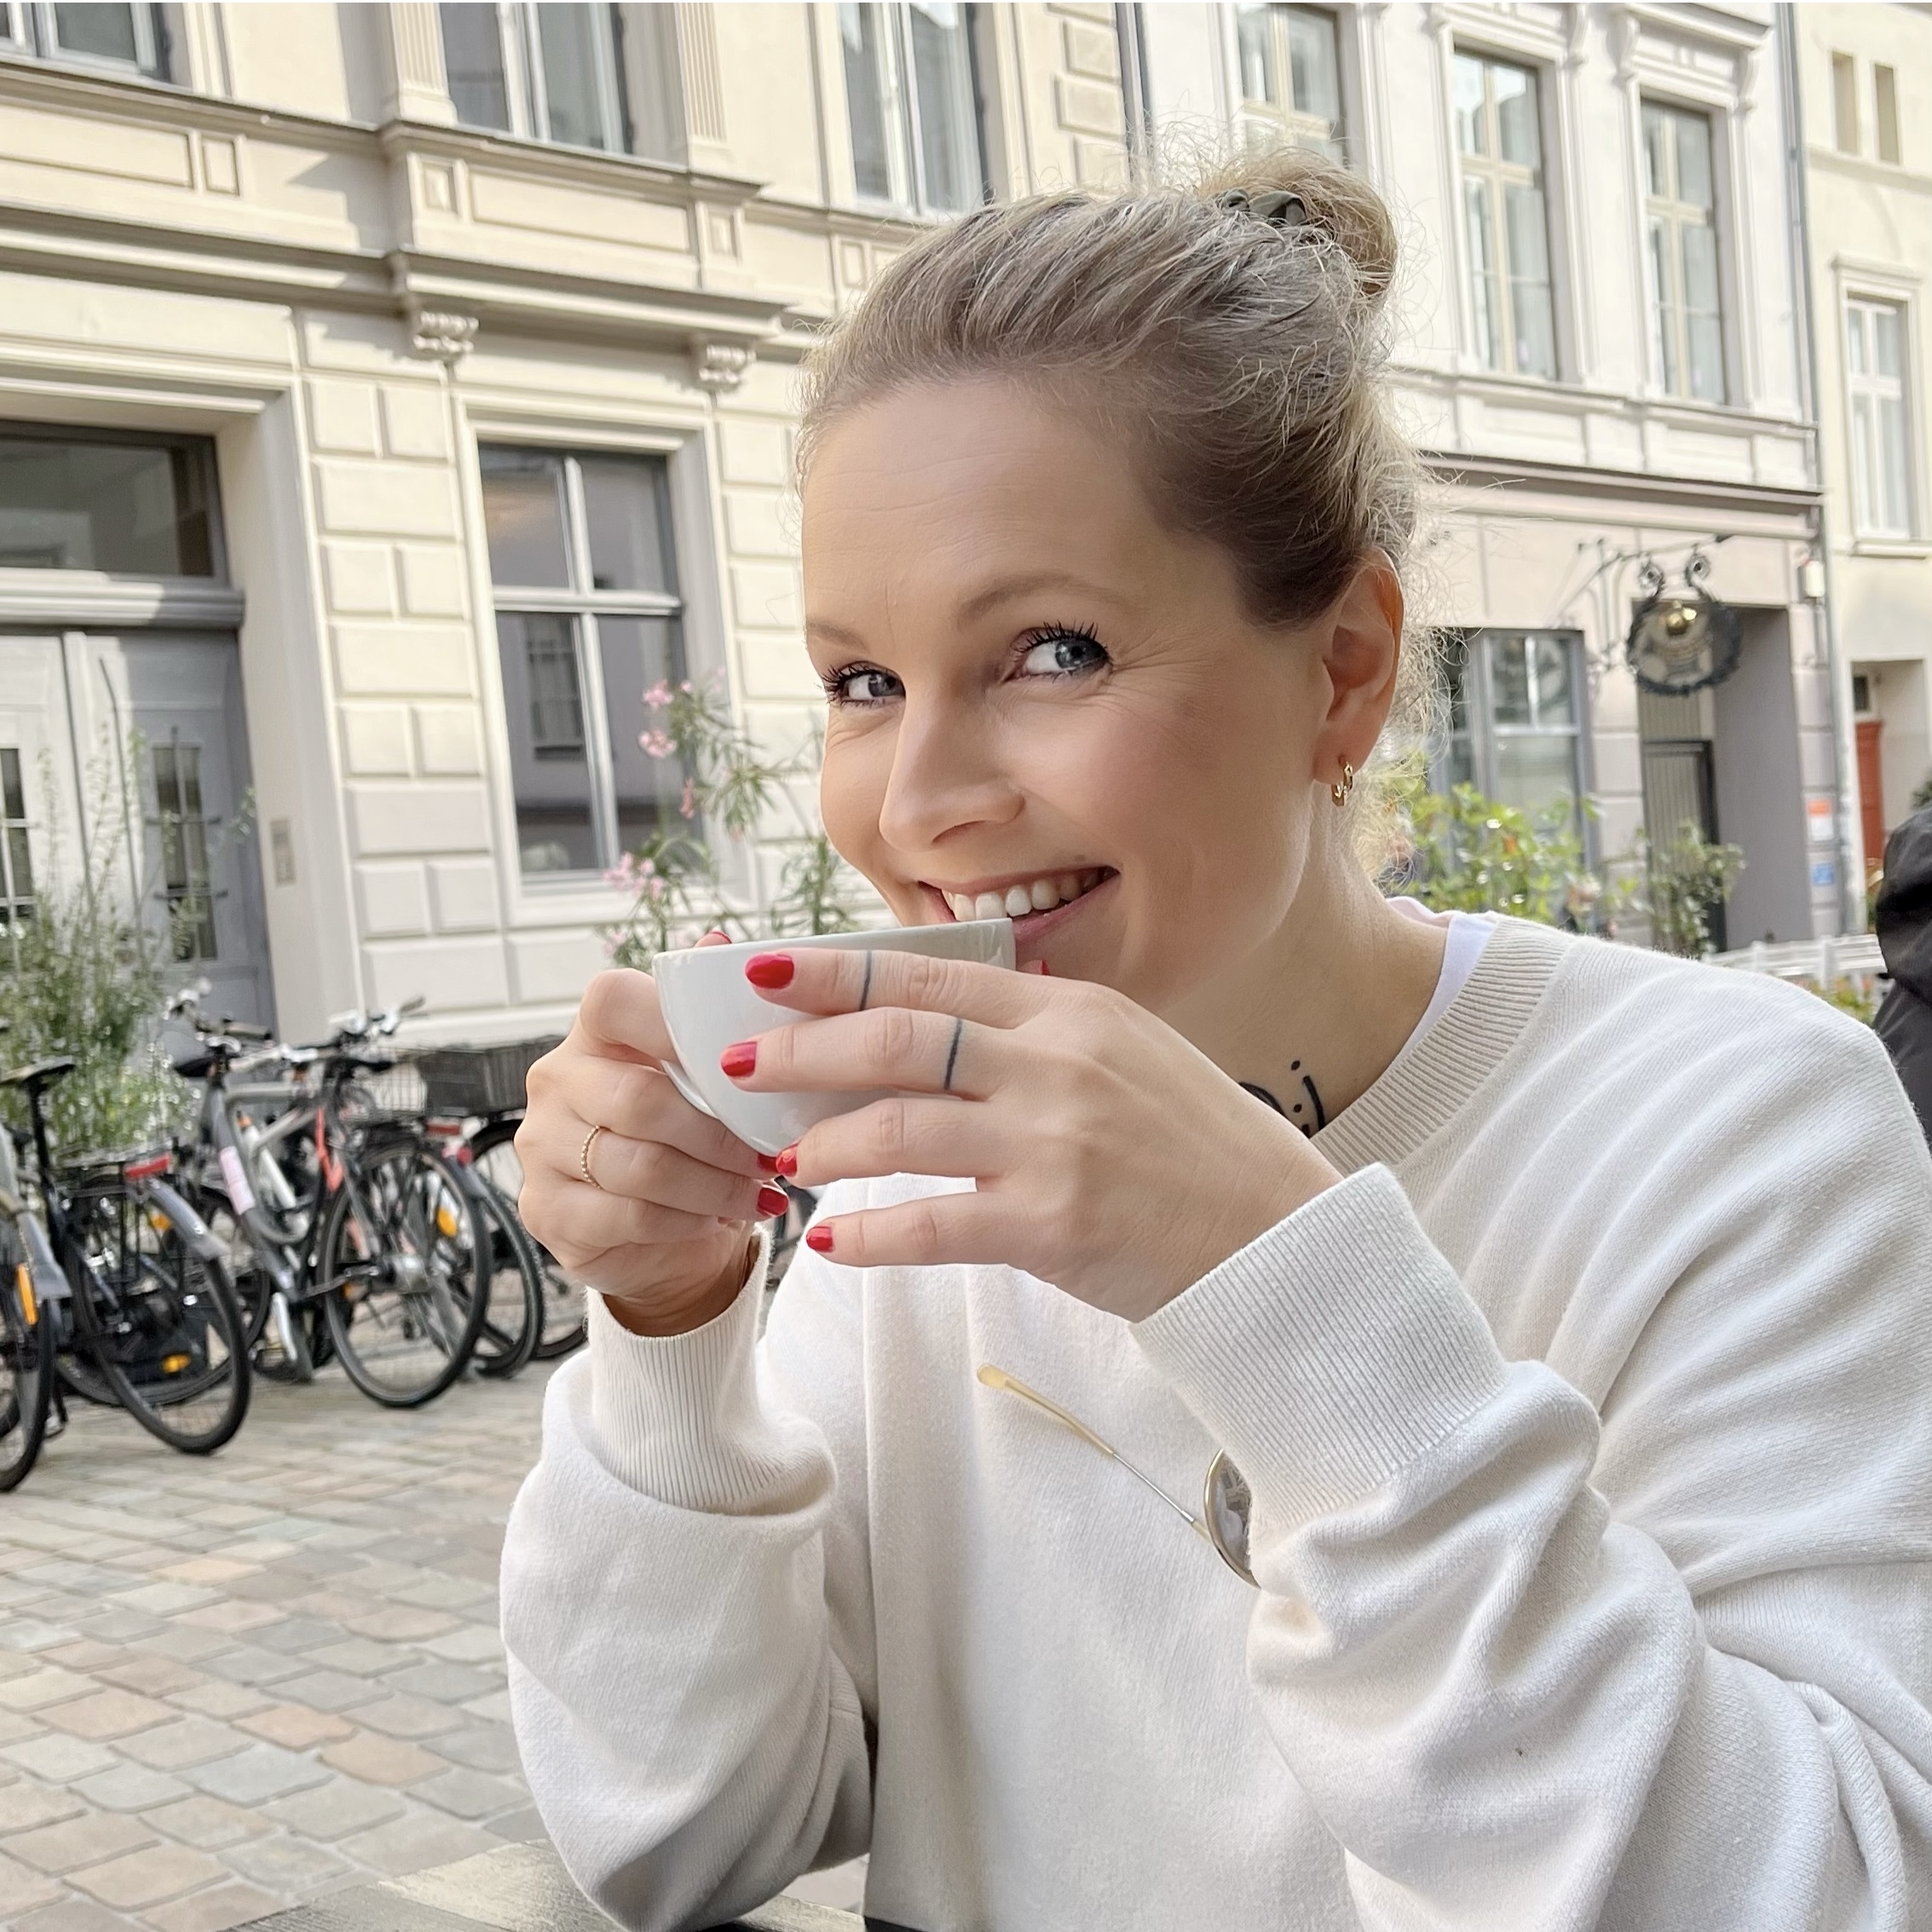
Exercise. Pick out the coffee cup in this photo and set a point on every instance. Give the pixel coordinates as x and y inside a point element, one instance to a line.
<point>707,1004</point>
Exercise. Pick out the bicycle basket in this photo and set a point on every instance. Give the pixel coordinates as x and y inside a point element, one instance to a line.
<point>466,1081</point>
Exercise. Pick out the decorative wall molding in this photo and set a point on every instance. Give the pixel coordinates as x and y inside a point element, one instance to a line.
<point>720,366</point>
<point>704,88</point>
<point>442,333</point>
<point>421,88</point>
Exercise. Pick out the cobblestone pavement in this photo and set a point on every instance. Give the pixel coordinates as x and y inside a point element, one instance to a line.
<point>231,1683</point>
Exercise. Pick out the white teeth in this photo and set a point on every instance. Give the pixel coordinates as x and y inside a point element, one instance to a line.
<point>960,903</point>
<point>1018,901</point>
<point>1014,901</point>
<point>1067,885</point>
<point>989,905</point>
<point>1045,895</point>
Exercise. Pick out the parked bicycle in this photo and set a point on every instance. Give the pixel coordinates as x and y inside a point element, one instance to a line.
<point>347,1210</point>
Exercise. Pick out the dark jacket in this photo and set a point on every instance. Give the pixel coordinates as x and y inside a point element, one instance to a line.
<point>1905,936</point>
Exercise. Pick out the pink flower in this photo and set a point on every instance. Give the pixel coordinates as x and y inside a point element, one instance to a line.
<point>623,874</point>
<point>688,803</point>
<point>657,744</point>
<point>659,695</point>
<point>656,888</point>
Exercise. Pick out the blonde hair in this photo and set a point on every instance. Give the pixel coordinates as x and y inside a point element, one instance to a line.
<point>1229,329</point>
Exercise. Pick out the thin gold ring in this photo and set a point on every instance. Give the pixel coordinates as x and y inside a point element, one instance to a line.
<point>584,1159</point>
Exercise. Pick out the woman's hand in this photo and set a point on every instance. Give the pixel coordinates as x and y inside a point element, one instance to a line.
<point>1112,1158</point>
<point>665,1234</point>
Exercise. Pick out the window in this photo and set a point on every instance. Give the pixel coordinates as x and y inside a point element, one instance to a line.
<point>1881,433</point>
<point>1687,313</point>
<point>580,76</point>
<point>185,886</point>
<point>132,505</point>
<point>1507,233</point>
<point>1515,724</point>
<point>17,862</point>
<point>911,101</point>
<point>1885,99</point>
<point>133,39</point>
<point>582,556</point>
<point>1844,103</point>
<point>1291,73</point>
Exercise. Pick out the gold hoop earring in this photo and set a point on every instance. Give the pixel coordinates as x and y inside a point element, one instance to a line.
<point>1339,793</point>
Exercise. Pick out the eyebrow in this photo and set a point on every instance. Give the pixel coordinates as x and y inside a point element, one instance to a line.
<point>982,601</point>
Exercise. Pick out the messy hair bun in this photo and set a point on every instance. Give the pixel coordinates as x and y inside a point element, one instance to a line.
<point>1228,328</point>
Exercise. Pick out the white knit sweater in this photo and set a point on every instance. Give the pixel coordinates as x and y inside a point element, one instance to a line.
<point>1590,1426</point>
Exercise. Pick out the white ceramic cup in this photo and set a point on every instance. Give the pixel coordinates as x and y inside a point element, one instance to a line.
<point>707,1004</point>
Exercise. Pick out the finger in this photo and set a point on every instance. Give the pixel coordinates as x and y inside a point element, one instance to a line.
<point>649,1170</point>
<point>619,1016</point>
<point>566,1214</point>
<point>829,980</point>
<point>641,1104</point>
<point>917,1052</point>
<point>934,1229</point>
<point>906,1133</point>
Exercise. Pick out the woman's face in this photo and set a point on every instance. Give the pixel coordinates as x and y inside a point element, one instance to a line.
<point>1042,698</point>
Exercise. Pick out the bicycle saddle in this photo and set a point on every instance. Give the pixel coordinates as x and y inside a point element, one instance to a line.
<point>41,1073</point>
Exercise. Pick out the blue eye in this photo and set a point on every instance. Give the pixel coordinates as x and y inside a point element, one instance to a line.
<point>1064,653</point>
<point>863,685</point>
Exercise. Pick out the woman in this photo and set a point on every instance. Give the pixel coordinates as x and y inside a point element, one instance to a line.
<point>1563,1306</point>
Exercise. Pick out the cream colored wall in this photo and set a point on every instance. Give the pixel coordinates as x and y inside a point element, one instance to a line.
<point>1871,224</point>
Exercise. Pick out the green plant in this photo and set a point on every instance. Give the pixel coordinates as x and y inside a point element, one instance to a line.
<point>85,975</point>
<point>1860,1002</point>
<point>1922,796</point>
<point>673,879</point>
<point>1459,851</point>
<point>1684,883</point>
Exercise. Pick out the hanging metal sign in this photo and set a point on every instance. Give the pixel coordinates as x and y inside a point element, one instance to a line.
<point>1681,640</point>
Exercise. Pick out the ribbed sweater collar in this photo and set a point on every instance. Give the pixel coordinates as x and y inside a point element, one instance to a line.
<point>1423,1090</point>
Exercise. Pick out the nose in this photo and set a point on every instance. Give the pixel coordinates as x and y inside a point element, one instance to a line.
<point>946,778</point>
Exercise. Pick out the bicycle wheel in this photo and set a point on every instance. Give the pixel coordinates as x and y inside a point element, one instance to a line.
<point>494,1148</point>
<point>159,1321</point>
<point>513,1325</point>
<point>26,1365</point>
<point>405,1259</point>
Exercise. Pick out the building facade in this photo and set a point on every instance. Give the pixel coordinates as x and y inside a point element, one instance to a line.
<point>390,395</point>
<point>1866,85</point>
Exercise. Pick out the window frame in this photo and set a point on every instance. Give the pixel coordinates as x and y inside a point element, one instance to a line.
<point>18,900</point>
<point>907,190</point>
<point>1860,308</point>
<point>581,609</point>
<point>1478,701</point>
<point>29,27</point>
<point>1496,176</point>
<point>1301,127</point>
<point>526,94</point>
<point>1677,216</point>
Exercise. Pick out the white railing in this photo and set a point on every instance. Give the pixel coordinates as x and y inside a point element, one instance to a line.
<point>1854,957</point>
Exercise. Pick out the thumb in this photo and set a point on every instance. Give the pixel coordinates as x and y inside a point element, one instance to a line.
<point>716,937</point>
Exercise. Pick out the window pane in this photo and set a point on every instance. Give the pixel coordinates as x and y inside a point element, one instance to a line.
<point>1895,503</point>
<point>1515,113</point>
<point>627,507</point>
<point>1483,288</point>
<point>17,862</point>
<point>1854,339</point>
<point>1705,336</point>
<point>142,511</point>
<point>1530,309</point>
<point>948,141</point>
<point>524,518</point>
<point>1255,28</point>
<point>1656,165</point>
<point>861,30</point>
<point>637,653</point>
<point>1534,769</point>
<point>1314,68</point>
<point>1509,679</point>
<point>1663,307</point>
<point>105,32</point>
<point>1471,132</point>
<point>568,38</point>
<point>550,771</point>
<point>1865,472</point>
<point>473,59</point>
<point>1885,340</point>
<point>1556,702</point>
<point>1693,159</point>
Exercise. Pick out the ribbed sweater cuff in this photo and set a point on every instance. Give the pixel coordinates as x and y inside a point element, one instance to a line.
<point>678,1416</point>
<point>1331,1351</point>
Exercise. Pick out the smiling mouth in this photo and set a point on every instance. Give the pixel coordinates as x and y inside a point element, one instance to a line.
<point>1026,896</point>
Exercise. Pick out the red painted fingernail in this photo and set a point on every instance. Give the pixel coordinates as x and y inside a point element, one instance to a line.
<point>767,1165</point>
<point>787,1162</point>
<point>1036,967</point>
<point>819,1240</point>
<point>770,970</point>
<point>772,1201</point>
<point>741,1059</point>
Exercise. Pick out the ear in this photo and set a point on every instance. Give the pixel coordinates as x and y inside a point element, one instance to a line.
<point>1360,643</point>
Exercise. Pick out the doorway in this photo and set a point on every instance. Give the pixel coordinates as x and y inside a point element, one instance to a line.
<point>126,752</point>
<point>1680,776</point>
